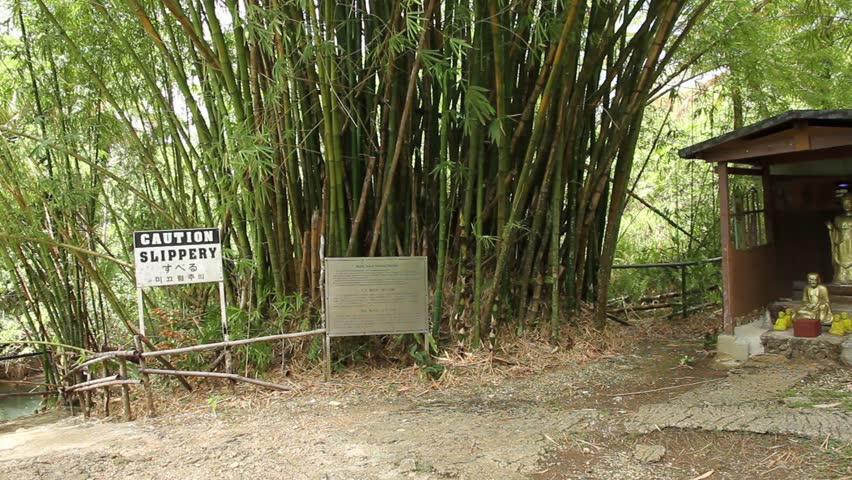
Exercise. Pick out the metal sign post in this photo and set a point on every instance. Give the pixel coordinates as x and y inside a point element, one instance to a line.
<point>226,334</point>
<point>140,303</point>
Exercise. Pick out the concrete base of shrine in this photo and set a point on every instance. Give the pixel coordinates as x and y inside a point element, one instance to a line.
<point>758,337</point>
<point>745,342</point>
<point>824,347</point>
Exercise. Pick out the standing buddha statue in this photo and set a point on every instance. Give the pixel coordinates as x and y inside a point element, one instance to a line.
<point>840,234</point>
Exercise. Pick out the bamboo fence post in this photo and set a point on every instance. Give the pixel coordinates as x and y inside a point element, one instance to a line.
<point>87,400</point>
<point>106,392</point>
<point>84,404</point>
<point>125,391</point>
<point>146,382</point>
<point>65,373</point>
<point>106,401</point>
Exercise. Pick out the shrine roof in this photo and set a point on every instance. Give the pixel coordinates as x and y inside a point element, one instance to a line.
<point>795,135</point>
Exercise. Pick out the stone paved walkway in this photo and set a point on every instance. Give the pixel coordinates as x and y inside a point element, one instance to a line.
<point>748,400</point>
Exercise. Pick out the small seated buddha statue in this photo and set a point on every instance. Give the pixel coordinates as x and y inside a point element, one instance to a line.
<point>815,303</point>
<point>842,324</point>
<point>784,320</point>
<point>840,234</point>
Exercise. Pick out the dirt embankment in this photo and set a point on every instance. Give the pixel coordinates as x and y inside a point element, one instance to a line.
<point>658,410</point>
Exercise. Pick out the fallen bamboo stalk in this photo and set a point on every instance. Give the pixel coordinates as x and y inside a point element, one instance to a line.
<point>97,381</point>
<point>618,320</point>
<point>663,388</point>
<point>120,354</point>
<point>24,382</point>
<point>231,343</point>
<point>28,394</point>
<point>98,359</point>
<point>643,307</point>
<point>23,355</point>
<point>692,309</point>
<point>114,383</point>
<point>229,376</point>
<point>165,362</point>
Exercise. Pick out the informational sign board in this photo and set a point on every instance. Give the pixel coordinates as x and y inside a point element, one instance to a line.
<point>175,257</point>
<point>376,296</point>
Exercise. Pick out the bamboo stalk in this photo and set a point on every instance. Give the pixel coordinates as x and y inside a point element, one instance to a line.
<point>232,343</point>
<point>98,359</point>
<point>92,382</point>
<point>28,394</point>
<point>24,382</point>
<point>228,376</point>
<point>403,128</point>
<point>124,385</point>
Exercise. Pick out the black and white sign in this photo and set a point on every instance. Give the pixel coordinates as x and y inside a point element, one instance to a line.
<point>175,257</point>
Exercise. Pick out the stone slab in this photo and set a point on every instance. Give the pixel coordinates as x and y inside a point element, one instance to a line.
<point>846,351</point>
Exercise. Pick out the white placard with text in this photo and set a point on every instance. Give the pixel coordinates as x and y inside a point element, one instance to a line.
<point>176,257</point>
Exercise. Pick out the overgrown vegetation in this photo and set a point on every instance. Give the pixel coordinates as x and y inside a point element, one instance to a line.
<point>500,139</point>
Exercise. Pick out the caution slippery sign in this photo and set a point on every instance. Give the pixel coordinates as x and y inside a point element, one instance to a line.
<point>175,257</point>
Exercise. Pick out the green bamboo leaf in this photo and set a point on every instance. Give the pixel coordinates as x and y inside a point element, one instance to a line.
<point>477,107</point>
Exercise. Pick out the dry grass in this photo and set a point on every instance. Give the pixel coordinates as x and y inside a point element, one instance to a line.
<point>513,357</point>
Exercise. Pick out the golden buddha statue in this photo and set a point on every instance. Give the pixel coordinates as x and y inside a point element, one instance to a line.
<point>815,303</point>
<point>840,234</point>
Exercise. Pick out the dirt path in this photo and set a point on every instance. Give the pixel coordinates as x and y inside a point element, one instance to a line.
<point>566,423</point>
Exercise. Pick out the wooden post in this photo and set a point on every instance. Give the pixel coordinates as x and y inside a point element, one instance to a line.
<point>768,207</point>
<point>125,390</point>
<point>106,401</point>
<point>725,233</point>
<point>84,404</point>
<point>146,381</point>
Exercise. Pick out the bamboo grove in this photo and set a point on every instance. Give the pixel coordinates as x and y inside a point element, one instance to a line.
<point>495,137</point>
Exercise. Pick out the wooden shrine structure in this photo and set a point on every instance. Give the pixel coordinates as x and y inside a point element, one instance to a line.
<point>780,180</point>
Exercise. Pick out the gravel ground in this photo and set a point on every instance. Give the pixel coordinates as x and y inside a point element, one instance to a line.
<point>588,420</point>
